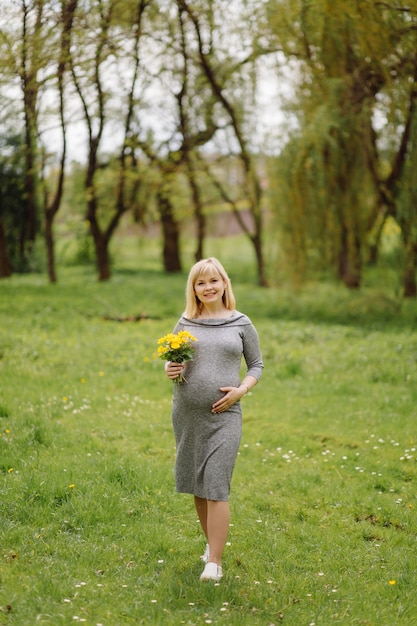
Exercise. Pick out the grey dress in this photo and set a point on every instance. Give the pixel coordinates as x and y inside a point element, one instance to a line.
<point>207,443</point>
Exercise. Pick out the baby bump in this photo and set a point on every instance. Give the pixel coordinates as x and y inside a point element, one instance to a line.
<point>195,395</point>
<point>200,392</point>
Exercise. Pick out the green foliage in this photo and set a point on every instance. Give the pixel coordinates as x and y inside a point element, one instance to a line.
<point>12,199</point>
<point>79,249</point>
<point>323,498</point>
<point>355,88</point>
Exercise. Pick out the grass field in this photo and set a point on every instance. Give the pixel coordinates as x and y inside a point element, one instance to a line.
<point>324,494</point>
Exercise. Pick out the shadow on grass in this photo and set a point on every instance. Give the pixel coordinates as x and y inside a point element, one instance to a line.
<point>368,309</point>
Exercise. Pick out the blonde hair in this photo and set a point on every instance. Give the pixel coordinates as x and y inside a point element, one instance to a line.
<point>193,305</point>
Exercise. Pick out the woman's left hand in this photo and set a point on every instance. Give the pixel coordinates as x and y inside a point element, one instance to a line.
<point>232,395</point>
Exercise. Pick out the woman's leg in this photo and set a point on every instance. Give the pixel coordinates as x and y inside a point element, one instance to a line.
<point>201,508</point>
<point>214,518</point>
<point>218,520</point>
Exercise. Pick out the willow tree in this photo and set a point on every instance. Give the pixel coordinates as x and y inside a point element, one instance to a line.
<point>347,56</point>
<point>395,160</point>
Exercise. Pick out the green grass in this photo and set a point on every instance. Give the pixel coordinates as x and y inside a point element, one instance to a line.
<point>324,492</point>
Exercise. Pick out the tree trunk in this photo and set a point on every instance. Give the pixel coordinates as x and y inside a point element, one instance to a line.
<point>198,209</point>
<point>376,228</point>
<point>170,233</point>
<point>409,270</point>
<point>5,267</point>
<point>29,226</point>
<point>257,244</point>
<point>251,184</point>
<point>201,229</point>
<point>349,263</point>
<point>30,89</point>
<point>29,223</point>
<point>101,241</point>
<point>68,11</point>
<point>50,252</point>
<point>102,257</point>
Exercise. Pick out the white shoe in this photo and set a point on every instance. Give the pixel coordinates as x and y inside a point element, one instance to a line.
<point>212,571</point>
<point>206,556</point>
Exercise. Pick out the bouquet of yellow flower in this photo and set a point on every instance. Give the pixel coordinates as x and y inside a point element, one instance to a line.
<point>176,348</point>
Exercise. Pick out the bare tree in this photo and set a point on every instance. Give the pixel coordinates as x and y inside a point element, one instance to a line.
<point>33,57</point>
<point>68,8</point>
<point>88,71</point>
<point>217,76</point>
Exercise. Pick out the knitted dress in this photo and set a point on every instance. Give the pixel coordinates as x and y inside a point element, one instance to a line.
<point>207,443</point>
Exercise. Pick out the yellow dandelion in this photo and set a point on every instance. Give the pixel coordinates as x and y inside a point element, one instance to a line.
<point>101,373</point>
<point>10,470</point>
<point>83,380</point>
<point>71,486</point>
<point>392,582</point>
<point>64,399</point>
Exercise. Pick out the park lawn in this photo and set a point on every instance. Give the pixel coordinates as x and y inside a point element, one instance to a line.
<point>324,494</point>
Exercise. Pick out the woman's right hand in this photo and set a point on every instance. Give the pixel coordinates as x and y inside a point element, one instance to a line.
<point>173,370</point>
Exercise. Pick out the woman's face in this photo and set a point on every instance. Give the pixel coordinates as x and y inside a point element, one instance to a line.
<point>209,287</point>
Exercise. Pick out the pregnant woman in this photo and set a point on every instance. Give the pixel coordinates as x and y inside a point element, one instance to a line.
<point>206,413</point>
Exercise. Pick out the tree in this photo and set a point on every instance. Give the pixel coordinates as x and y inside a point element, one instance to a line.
<point>37,58</point>
<point>323,169</point>
<point>163,188</point>
<point>51,207</point>
<point>394,161</point>
<point>193,138</point>
<point>25,57</point>
<point>187,104</point>
<point>30,65</point>
<point>353,61</point>
<point>224,72</point>
<point>107,31</point>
